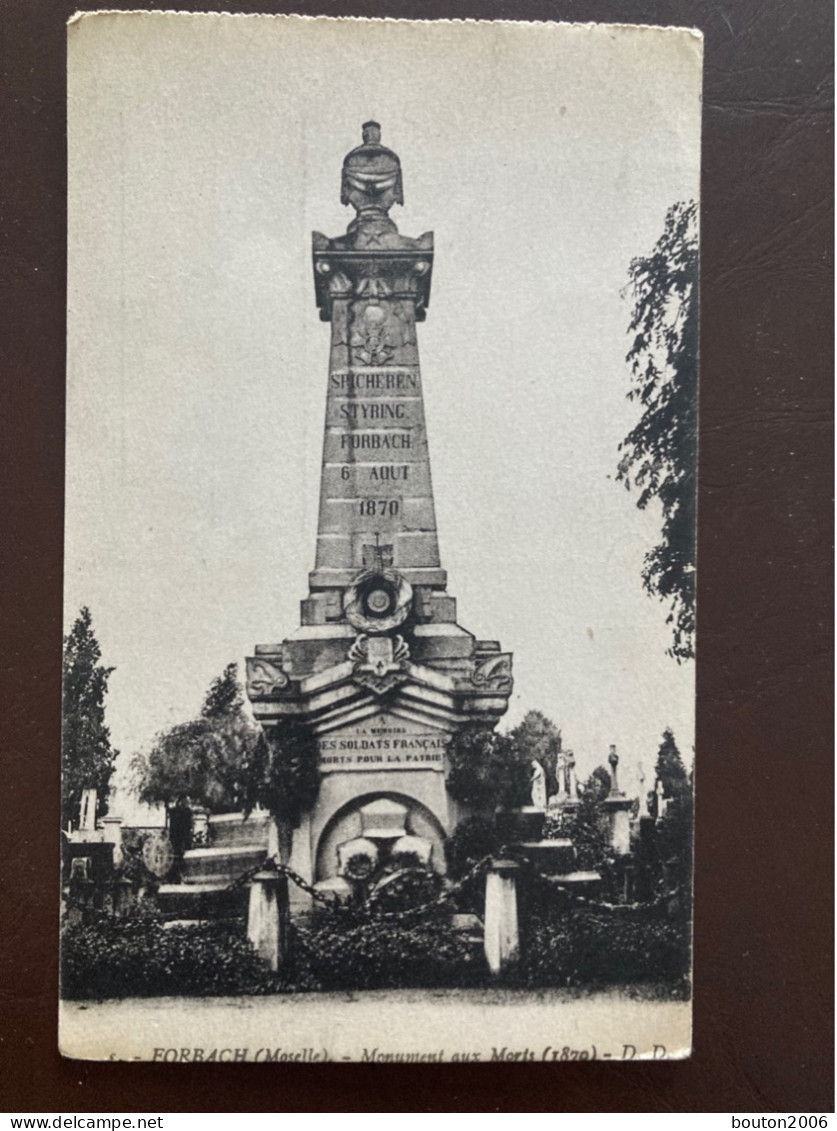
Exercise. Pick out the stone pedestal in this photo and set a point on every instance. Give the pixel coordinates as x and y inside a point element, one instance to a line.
<point>619,811</point>
<point>112,834</point>
<point>268,918</point>
<point>200,828</point>
<point>123,898</point>
<point>502,930</point>
<point>620,834</point>
<point>80,891</point>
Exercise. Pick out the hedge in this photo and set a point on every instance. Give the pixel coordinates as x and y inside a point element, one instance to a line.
<point>139,958</point>
<point>386,954</point>
<point>585,947</point>
<point>580,948</point>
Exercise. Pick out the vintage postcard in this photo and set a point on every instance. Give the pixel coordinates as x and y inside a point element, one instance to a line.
<point>378,720</point>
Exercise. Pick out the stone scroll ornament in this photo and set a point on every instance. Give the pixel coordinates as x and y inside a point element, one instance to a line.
<point>264,677</point>
<point>494,674</point>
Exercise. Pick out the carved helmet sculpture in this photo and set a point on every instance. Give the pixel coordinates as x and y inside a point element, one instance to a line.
<point>371,175</point>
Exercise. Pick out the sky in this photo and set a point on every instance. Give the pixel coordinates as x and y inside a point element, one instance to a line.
<point>203,151</point>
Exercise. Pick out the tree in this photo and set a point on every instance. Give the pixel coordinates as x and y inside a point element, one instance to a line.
<point>284,777</point>
<point>485,770</point>
<point>224,698</point>
<point>673,830</point>
<point>589,828</point>
<point>87,757</point>
<point>203,762</point>
<point>660,453</point>
<point>538,739</point>
<point>670,769</point>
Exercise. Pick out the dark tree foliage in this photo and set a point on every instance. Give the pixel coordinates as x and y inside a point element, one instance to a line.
<point>674,830</point>
<point>204,761</point>
<point>538,739</point>
<point>670,769</point>
<point>486,770</point>
<point>674,835</point>
<point>283,777</point>
<point>224,698</point>
<point>596,788</point>
<point>663,850</point>
<point>660,454</point>
<point>471,840</point>
<point>589,825</point>
<point>87,757</point>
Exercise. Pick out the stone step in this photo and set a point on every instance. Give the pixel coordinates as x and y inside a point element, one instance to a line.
<point>469,927</point>
<point>575,879</point>
<point>234,830</point>
<point>222,864</point>
<point>202,901</point>
<point>192,889</point>
<point>549,857</point>
<point>526,823</point>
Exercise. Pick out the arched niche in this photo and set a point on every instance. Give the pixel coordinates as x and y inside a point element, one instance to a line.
<point>346,824</point>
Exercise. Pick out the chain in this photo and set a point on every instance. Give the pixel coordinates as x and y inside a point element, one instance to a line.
<point>332,903</point>
<point>603,905</point>
<point>247,876</point>
<point>274,865</point>
<point>445,897</point>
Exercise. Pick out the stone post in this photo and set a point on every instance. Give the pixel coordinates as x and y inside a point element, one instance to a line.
<point>112,834</point>
<point>268,918</point>
<point>502,933</point>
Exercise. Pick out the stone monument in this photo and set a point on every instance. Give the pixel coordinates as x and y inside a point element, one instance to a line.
<point>378,667</point>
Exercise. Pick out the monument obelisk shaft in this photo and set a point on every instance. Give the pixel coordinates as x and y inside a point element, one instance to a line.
<point>373,285</point>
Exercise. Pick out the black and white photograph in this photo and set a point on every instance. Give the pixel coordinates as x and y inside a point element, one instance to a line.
<point>378,738</point>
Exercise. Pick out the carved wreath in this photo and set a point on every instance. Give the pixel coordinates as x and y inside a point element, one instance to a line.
<point>364,615</point>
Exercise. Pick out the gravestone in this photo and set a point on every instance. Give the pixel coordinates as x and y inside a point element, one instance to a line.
<point>378,667</point>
